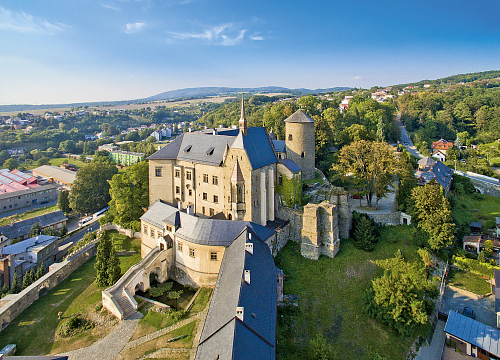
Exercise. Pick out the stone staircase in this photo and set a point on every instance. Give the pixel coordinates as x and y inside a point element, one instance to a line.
<point>125,304</point>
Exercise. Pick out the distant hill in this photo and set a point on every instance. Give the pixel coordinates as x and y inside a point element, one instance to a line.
<point>455,79</point>
<point>188,93</point>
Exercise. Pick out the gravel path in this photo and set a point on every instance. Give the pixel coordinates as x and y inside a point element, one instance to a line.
<point>109,347</point>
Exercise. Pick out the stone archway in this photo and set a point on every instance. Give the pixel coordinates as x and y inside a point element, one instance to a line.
<point>479,190</point>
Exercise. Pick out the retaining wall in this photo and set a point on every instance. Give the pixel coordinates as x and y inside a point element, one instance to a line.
<point>14,304</point>
<point>129,232</point>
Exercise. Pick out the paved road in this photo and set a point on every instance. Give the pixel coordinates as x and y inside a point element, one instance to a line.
<point>434,350</point>
<point>92,227</point>
<point>406,141</point>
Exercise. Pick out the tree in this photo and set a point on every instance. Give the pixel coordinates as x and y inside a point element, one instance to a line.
<point>35,229</point>
<point>481,257</point>
<point>4,155</point>
<point>27,279</point>
<point>107,263</point>
<point>129,194</point>
<point>433,214</point>
<point>488,247</point>
<point>63,201</point>
<point>64,230</point>
<point>15,287</point>
<point>323,137</point>
<point>68,146</point>
<point>371,164</point>
<point>396,298</point>
<point>91,187</point>
<point>40,271</point>
<point>425,255</point>
<point>364,233</point>
<point>43,161</point>
<point>11,164</point>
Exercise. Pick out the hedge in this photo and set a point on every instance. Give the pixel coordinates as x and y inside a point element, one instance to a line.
<point>474,266</point>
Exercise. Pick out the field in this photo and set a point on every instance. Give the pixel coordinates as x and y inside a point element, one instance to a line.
<point>35,329</point>
<point>330,295</point>
<point>56,162</point>
<point>469,281</point>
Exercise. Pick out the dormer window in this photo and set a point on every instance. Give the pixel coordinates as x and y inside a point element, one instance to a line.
<point>239,312</point>
<point>247,276</point>
<point>188,148</point>
<point>210,151</point>
<point>249,247</point>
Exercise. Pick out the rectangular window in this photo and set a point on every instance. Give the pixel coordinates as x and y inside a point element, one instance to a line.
<point>158,171</point>
<point>215,180</point>
<point>205,196</point>
<point>158,234</point>
<point>152,233</point>
<point>216,199</point>
<point>212,212</point>
<point>188,175</point>
<point>202,210</point>
<point>191,252</point>
<point>179,246</point>
<point>190,192</point>
<point>213,256</point>
<point>177,173</point>
<point>205,178</point>
<point>177,190</point>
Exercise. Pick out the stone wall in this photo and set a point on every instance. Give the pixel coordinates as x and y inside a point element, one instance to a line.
<point>12,305</point>
<point>280,239</point>
<point>294,216</point>
<point>394,218</point>
<point>128,232</point>
<point>486,188</point>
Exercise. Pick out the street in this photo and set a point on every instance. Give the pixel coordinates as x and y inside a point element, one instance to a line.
<point>92,227</point>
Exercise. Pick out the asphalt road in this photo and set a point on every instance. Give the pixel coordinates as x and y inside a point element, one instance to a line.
<point>92,227</point>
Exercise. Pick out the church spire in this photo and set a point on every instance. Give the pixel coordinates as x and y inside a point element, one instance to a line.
<point>243,120</point>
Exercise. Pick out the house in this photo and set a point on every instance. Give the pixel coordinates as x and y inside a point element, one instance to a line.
<point>108,147</point>
<point>472,337</point>
<point>439,155</point>
<point>476,242</point>
<point>55,174</point>
<point>20,230</point>
<point>90,137</point>
<point>27,254</point>
<point>430,169</point>
<point>442,145</point>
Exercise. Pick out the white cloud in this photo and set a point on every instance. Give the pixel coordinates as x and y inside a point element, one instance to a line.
<point>256,37</point>
<point>134,27</point>
<point>25,23</point>
<point>357,77</point>
<point>234,41</point>
<point>107,6</point>
<point>219,35</point>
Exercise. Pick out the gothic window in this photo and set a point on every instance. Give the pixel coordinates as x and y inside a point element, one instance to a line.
<point>302,155</point>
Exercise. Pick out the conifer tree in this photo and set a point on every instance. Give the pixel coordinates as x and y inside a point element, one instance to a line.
<point>5,289</point>
<point>27,279</point>
<point>113,268</point>
<point>102,259</point>
<point>364,237</point>
<point>40,271</point>
<point>16,285</point>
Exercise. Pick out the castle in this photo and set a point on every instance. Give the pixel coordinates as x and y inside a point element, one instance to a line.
<point>217,216</point>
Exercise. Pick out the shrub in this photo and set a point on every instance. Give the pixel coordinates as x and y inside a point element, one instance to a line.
<point>160,289</point>
<point>74,324</point>
<point>474,266</point>
<point>177,315</point>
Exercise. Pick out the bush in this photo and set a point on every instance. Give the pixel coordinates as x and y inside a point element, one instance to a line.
<point>177,315</point>
<point>474,266</point>
<point>74,324</point>
<point>160,289</point>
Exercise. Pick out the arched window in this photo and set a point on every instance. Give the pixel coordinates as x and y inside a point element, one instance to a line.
<point>290,137</point>
<point>303,155</point>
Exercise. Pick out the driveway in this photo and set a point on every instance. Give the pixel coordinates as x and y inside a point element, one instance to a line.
<point>483,308</point>
<point>435,349</point>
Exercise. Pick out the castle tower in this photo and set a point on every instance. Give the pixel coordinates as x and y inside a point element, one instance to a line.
<point>300,145</point>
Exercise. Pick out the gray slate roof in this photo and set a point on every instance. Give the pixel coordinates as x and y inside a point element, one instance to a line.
<point>299,117</point>
<point>291,165</point>
<point>201,231</point>
<point>427,161</point>
<point>476,224</point>
<point>23,228</point>
<point>473,332</point>
<point>205,148</point>
<point>439,171</point>
<point>225,335</point>
<point>23,246</point>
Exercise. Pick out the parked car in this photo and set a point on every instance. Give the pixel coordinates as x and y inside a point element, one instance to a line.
<point>467,311</point>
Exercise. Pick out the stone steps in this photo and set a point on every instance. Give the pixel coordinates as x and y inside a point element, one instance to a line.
<point>127,307</point>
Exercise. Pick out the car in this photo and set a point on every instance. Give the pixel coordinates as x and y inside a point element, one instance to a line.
<point>467,311</point>
<point>406,142</point>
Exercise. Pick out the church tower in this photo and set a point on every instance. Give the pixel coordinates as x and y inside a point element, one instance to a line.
<point>243,121</point>
<point>300,145</point>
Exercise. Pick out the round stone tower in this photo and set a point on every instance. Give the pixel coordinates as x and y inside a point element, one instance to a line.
<point>300,145</point>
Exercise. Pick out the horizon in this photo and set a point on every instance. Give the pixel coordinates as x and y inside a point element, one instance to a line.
<point>62,53</point>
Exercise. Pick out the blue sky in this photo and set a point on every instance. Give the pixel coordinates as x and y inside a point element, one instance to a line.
<point>60,51</point>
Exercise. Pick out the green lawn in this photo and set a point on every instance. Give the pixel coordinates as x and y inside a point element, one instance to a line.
<point>469,281</point>
<point>330,301</point>
<point>469,208</point>
<point>34,329</point>
<point>28,215</point>
<point>56,162</point>
<point>317,179</point>
<point>124,243</point>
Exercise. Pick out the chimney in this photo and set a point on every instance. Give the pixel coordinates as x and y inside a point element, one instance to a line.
<point>249,247</point>
<point>214,132</point>
<point>239,312</point>
<point>247,276</point>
